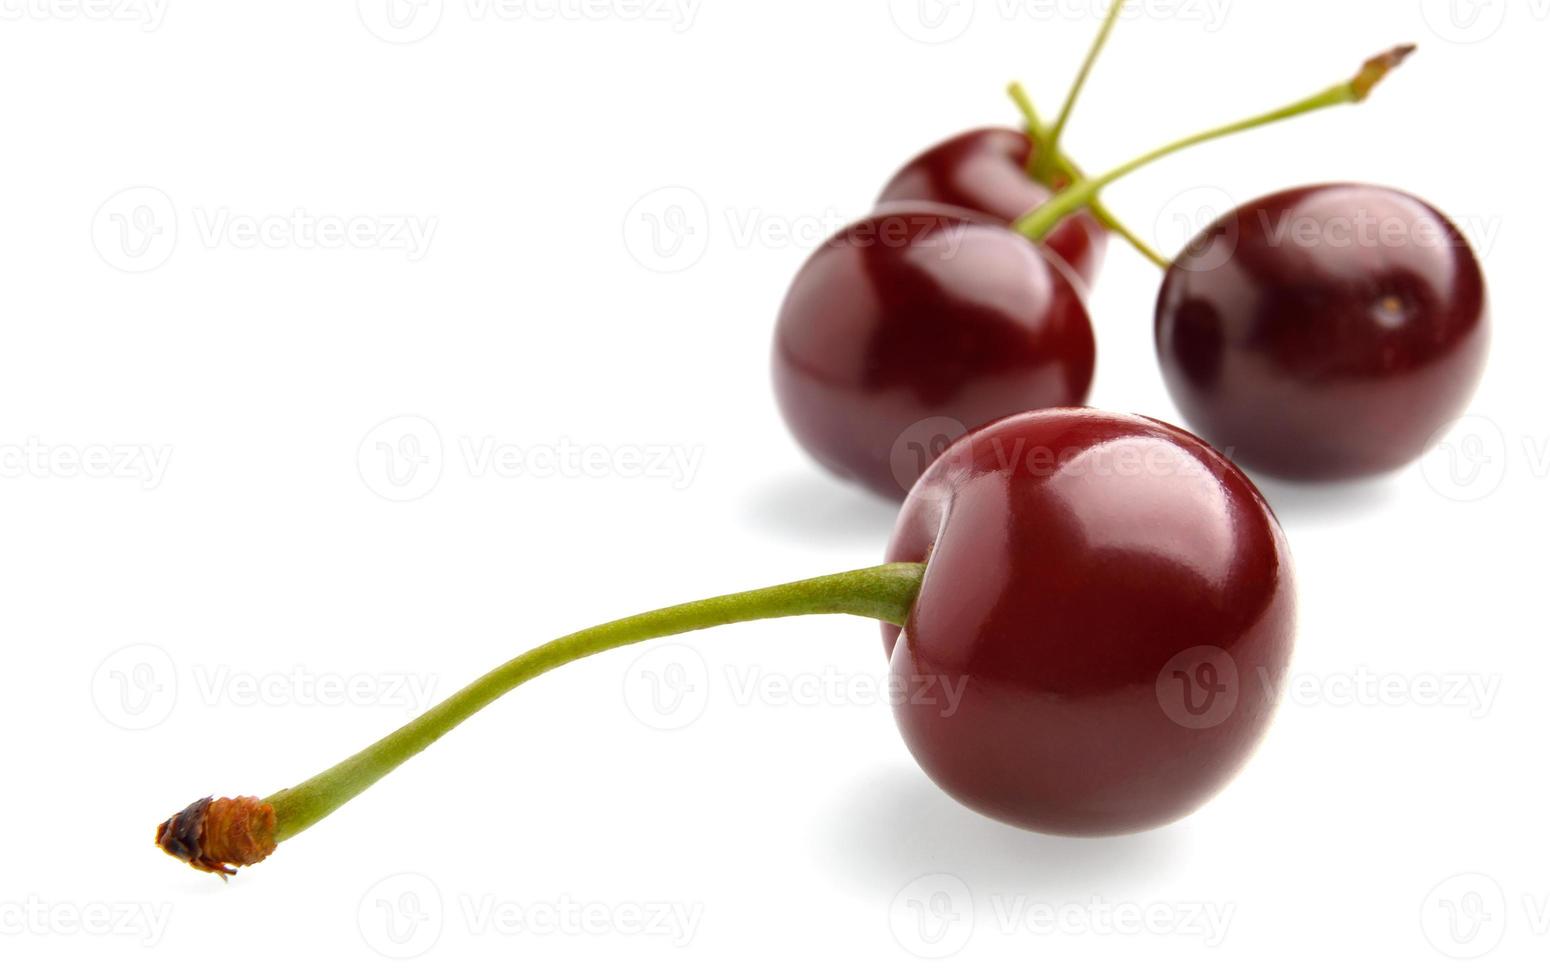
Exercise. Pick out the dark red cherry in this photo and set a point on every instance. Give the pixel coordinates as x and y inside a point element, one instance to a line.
<point>1105,622</point>
<point>1324,332</point>
<point>985,170</point>
<point>913,326</point>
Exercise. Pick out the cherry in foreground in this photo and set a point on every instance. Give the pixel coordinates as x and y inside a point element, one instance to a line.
<point>1324,332</point>
<point>1089,618</point>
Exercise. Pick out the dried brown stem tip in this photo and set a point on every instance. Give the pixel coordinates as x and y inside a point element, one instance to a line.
<point>1375,69</point>
<point>220,836</point>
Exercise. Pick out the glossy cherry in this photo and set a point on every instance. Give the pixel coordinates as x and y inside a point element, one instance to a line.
<point>913,326</point>
<point>1091,617</point>
<point>1115,601</point>
<point>1324,332</point>
<point>986,170</point>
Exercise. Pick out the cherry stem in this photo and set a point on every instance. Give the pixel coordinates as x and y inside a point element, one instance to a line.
<point>884,593</point>
<point>1044,164</point>
<point>1037,224</point>
<point>1069,173</point>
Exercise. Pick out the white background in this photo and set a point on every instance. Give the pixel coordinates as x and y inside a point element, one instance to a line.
<point>256,605</point>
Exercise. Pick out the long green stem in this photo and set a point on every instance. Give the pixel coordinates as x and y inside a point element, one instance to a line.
<point>883,593</point>
<point>1069,173</point>
<point>1044,163</point>
<point>1039,223</point>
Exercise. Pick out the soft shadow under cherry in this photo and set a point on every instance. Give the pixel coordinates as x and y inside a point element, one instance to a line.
<point>897,826</point>
<point>813,509</point>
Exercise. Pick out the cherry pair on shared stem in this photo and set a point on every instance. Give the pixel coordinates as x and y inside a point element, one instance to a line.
<point>924,321</point>
<point>1005,174</point>
<point>1112,597</point>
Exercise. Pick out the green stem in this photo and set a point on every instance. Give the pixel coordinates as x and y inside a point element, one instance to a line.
<point>884,593</point>
<point>1045,163</point>
<point>1039,223</point>
<point>1069,173</point>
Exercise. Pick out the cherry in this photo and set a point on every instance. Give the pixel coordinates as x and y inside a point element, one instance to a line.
<point>1091,617</point>
<point>1324,332</point>
<point>986,170</point>
<point>910,327</point>
<point>1113,599</point>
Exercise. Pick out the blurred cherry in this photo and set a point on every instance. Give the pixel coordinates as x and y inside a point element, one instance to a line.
<point>986,170</point>
<point>1324,332</point>
<point>911,327</point>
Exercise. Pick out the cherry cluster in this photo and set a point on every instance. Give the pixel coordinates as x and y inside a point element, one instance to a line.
<point>1109,599</point>
<point>1319,333</point>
